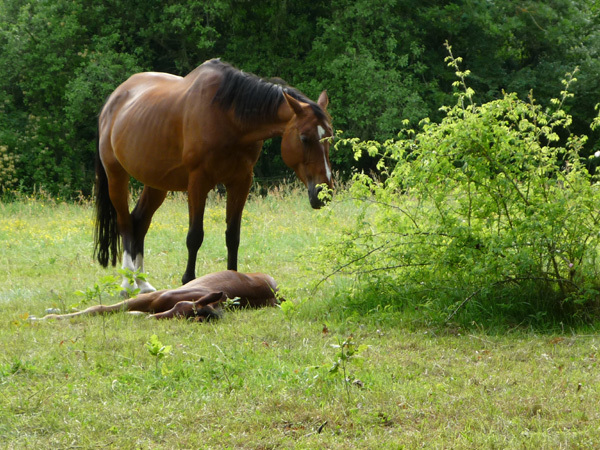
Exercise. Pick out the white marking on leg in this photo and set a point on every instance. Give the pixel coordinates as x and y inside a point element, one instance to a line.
<point>143,285</point>
<point>127,261</point>
<point>128,264</point>
<point>139,263</point>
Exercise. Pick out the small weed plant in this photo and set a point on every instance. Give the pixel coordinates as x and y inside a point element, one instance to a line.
<point>107,286</point>
<point>131,277</point>
<point>348,353</point>
<point>290,311</point>
<point>159,351</point>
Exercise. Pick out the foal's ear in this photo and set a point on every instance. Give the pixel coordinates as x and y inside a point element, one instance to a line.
<point>209,298</point>
<point>323,100</point>
<point>294,104</point>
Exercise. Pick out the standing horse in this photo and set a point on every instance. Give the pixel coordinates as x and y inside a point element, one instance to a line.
<point>187,134</point>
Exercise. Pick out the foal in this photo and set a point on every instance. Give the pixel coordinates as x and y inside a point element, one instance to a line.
<point>201,298</point>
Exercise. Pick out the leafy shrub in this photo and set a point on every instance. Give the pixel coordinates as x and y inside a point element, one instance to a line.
<point>491,210</point>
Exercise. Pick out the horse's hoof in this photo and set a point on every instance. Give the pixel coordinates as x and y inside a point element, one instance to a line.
<point>145,287</point>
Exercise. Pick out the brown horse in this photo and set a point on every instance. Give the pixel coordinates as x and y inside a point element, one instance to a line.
<point>189,134</point>
<point>201,298</point>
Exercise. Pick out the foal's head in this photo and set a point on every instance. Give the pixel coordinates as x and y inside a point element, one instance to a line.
<point>305,145</point>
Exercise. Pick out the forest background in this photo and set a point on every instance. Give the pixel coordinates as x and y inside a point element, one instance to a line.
<point>381,61</point>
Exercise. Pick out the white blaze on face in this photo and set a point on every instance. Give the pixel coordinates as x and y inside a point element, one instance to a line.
<point>327,169</point>
<point>321,132</point>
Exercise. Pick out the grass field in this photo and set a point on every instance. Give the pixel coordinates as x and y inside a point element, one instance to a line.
<point>263,378</point>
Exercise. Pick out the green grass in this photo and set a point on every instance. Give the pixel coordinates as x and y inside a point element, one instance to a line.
<point>260,379</point>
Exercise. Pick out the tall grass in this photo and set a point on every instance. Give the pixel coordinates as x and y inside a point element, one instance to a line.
<point>263,378</point>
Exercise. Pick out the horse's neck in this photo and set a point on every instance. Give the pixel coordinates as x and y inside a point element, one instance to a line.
<point>261,131</point>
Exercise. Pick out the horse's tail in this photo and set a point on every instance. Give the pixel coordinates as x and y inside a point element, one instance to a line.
<point>107,243</point>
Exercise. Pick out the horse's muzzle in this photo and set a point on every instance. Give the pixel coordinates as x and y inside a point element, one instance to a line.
<point>316,200</point>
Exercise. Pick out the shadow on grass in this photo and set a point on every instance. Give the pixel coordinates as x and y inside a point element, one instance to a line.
<point>528,306</point>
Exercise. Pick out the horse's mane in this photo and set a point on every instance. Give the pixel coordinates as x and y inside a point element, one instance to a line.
<point>255,98</point>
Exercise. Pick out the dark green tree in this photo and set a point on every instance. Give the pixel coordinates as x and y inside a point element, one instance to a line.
<point>381,62</point>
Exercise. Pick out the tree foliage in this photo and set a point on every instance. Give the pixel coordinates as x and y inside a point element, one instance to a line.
<point>382,62</point>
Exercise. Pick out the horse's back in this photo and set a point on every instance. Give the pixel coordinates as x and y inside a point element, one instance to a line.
<point>136,88</point>
<point>144,125</point>
<point>150,90</point>
<point>140,127</point>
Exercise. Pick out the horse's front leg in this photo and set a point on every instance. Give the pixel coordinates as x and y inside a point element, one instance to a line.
<point>237,194</point>
<point>198,190</point>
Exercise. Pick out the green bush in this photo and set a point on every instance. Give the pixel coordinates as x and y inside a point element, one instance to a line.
<point>490,212</point>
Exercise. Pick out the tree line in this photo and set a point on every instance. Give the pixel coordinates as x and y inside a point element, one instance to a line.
<point>381,61</point>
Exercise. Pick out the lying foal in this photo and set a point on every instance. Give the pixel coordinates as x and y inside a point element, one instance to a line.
<point>200,298</point>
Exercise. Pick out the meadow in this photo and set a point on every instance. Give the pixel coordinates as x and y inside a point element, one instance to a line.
<point>312,374</point>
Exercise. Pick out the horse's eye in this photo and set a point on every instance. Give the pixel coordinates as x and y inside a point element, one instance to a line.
<point>305,139</point>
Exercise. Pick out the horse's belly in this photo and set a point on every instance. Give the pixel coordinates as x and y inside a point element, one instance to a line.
<point>152,157</point>
<point>165,177</point>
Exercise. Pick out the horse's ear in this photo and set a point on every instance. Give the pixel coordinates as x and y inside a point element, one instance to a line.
<point>294,104</point>
<point>323,100</point>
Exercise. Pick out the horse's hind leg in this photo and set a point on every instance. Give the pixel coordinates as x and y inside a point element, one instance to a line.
<point>141,216</point>
<point>118,188</point>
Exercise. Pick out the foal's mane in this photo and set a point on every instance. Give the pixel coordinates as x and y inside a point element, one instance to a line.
<point>255,98</point>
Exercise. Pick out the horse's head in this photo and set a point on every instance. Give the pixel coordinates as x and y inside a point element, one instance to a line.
<point>305,147</point>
